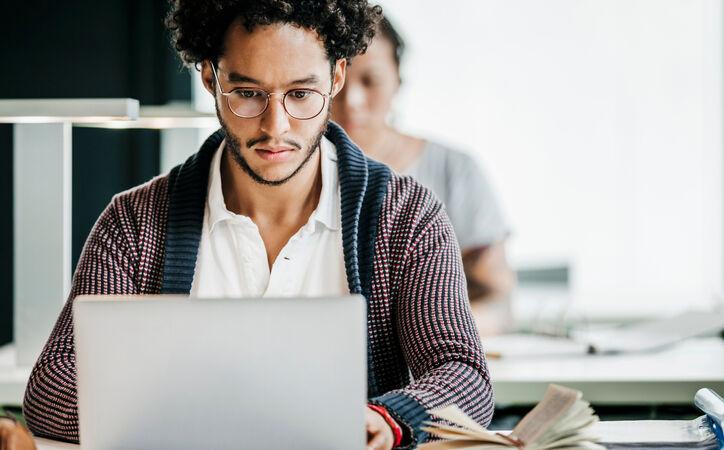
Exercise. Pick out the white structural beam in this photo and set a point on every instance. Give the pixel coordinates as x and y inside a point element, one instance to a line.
<point>68,110</point>
<point>43,192</point>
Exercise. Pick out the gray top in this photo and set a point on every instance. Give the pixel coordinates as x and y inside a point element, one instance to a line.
<point>459,181</point>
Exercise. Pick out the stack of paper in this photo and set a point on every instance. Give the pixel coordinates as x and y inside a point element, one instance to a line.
<point>652,434</point>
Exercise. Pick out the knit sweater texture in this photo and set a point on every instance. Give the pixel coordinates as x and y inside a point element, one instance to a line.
<point>400,253</point>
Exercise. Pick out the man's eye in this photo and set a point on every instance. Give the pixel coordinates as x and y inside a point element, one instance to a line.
<point>300,94</point>
<point>247,93</point>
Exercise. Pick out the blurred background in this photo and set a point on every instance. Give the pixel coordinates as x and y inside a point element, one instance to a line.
<point>599,123</point>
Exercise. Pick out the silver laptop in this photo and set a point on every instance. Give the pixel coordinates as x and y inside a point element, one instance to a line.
<point>171,372</point>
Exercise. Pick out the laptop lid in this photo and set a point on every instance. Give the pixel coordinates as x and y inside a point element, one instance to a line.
<point>172,372</point>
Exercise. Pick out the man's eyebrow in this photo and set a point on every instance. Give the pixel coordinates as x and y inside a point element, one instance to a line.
<point>235,77</point>
<point>311,79</point>
<point>239,78</point>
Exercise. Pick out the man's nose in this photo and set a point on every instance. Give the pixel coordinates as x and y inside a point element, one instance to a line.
<point>275,120</point>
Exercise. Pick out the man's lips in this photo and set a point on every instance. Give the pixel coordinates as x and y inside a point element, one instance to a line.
<point>276,149</point>
<point>275,153</point>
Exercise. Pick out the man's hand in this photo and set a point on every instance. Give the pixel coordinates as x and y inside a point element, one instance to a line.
<point>14,436</point>
<point>379,433</point>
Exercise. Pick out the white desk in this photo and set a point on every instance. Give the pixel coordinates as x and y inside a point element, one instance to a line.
<point>670,376</point>
<point>46,444</point>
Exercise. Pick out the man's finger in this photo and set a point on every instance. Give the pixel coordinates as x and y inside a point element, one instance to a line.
<point>378,441</point>
<point>372,425</point>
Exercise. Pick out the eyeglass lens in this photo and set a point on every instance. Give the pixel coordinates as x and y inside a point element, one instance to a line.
<point>299,103</point>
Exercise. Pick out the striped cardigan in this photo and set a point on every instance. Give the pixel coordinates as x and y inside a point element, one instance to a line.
<point>400,253</point>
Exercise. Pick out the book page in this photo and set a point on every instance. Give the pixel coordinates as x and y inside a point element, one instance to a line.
<point>456,415</point>
<point>556,402</point>
<point>458,445</point>
<point>444,431</point>
<point>571,430</point>
<point>471,428</point>
<point>577,419</point>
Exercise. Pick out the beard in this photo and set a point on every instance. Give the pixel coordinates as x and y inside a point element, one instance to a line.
<point>233,146</point>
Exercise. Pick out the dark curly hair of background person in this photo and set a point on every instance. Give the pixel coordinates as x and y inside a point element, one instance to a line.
<point>198,26</point>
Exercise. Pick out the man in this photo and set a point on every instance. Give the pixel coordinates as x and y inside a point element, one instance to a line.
<point>272,204</point>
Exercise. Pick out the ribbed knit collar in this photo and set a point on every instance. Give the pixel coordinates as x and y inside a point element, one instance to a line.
<point>363,184</point>
<point>326,213</point>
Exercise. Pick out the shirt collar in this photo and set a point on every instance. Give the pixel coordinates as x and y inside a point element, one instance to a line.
<point>216,207</point>
<point>327,213</point>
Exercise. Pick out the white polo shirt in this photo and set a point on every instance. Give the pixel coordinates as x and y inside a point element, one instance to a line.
<point>232,259</point>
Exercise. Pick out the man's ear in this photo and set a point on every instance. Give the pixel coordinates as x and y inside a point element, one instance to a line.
<point>340,72</point>
<point>207,77</point>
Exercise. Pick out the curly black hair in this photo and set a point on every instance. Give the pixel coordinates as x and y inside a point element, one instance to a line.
<point>198,26</point>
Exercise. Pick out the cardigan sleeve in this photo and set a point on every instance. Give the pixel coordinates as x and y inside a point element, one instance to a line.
<point>437,333</point>
<point>106,266</point>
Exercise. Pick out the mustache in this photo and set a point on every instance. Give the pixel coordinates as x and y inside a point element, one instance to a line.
<point>266,138</point>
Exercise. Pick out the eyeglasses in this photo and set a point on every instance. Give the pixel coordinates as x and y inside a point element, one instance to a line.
<point>247,103</point>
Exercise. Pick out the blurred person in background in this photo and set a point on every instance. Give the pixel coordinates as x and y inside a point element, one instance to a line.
<point>363,107</point>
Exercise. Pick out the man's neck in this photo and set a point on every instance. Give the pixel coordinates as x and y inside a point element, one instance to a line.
<point>290,203</point>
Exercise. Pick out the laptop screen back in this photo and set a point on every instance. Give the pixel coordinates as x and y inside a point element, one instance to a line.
<point>172,372</point>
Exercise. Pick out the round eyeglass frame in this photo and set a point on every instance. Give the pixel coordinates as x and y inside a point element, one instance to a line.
<point>227,95</point>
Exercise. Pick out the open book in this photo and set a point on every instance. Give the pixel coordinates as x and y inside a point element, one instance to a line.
<point>561,421</point>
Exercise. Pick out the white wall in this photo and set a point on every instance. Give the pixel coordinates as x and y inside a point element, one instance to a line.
<point>599,122</point>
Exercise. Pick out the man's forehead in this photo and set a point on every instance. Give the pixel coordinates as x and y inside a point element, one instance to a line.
<point>267,45</point>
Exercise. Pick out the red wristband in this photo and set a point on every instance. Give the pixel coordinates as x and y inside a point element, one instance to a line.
<point>396,429</point>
